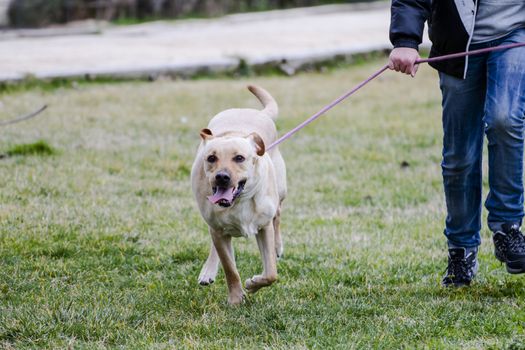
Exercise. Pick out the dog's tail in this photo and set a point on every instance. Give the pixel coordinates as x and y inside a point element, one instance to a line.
<point>270,106</point>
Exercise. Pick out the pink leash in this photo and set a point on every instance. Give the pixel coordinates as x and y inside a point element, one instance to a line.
<point>375,75</point>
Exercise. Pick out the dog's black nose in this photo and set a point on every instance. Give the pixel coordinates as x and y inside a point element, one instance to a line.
<point>222,179</point>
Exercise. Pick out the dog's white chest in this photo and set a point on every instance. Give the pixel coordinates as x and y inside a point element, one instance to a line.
<point>243,230</point>
<point>244,221</point>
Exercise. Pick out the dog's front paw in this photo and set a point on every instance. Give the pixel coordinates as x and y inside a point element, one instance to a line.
<point>206,281</point>
<point>236,298</point>
<point>207,277</point>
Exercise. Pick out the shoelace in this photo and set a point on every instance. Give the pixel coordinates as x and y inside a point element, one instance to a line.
<point>516,241</point>
<point>458,268</point>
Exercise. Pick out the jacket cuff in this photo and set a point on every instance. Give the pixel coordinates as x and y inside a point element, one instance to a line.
<point>406,43</point>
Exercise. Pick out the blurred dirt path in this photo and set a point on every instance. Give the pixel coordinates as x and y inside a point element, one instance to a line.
<point>187,46</point>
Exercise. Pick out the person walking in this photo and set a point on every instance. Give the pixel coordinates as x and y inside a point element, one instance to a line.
<point>481,95</point>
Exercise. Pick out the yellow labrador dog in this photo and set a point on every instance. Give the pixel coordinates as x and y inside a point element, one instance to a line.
<point>239,188</point>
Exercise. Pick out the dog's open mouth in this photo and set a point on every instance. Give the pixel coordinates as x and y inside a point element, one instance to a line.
<point>226,196</point>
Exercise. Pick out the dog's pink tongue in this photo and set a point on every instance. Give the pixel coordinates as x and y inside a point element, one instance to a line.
<point>222,194</point>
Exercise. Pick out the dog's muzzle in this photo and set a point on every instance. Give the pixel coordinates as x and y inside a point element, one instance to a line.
<point>225,196</point>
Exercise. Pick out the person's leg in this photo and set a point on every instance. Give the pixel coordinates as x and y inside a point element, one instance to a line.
<point>504,123</point>
<point>463,101</point>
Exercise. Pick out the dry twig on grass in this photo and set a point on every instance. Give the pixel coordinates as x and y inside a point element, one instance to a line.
<point>24,117</point>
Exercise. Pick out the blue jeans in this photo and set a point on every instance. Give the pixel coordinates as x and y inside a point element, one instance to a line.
<point>490,101</point>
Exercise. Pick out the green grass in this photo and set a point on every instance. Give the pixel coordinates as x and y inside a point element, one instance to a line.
<point>41,148</point>
<point>101,243</point>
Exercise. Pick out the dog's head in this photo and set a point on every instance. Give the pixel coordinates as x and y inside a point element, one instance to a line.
<point>229,163</point>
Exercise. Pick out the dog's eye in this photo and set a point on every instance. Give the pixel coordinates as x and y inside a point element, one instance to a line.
<point>211,159</point>
<point>239,159</point>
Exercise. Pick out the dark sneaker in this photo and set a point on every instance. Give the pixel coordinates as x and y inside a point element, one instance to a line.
<point>509,247</point>
<point>461,267</point>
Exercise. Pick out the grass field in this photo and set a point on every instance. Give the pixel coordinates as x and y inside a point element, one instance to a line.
<point>101,242</point>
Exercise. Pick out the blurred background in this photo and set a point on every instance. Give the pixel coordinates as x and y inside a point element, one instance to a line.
<point>39,13</point>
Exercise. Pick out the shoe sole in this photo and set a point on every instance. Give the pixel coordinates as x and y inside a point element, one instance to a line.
<point>514,271</point>
<point>510,269</point>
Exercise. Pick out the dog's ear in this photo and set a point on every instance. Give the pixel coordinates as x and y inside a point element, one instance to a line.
<point>258,142</point>
<point>206,134</point>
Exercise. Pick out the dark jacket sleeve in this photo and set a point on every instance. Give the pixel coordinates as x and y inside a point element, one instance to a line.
<point>408,21</point>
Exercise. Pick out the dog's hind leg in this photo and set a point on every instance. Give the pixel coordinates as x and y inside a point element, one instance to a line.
<point>278,239</point>
<point>210,268</point>
<point>266,243</point>
<point>223,246</point>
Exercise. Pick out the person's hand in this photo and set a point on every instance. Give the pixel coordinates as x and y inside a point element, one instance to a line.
<point>403,59</point>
